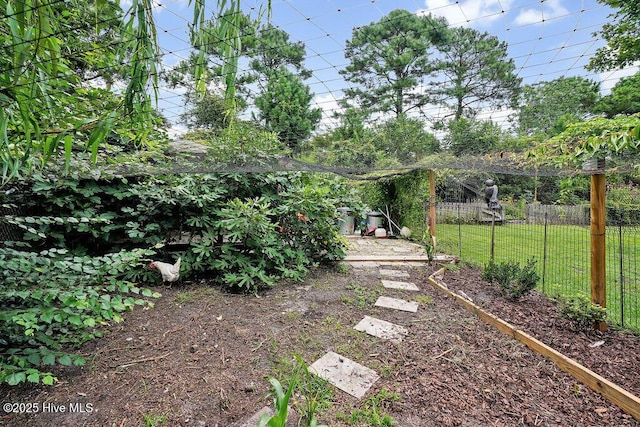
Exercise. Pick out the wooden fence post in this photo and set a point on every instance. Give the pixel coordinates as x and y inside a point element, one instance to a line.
<point>598,254</point>
<point>432,206</point>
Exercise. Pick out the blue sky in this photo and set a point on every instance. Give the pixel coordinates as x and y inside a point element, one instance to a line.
<point>547,38</point>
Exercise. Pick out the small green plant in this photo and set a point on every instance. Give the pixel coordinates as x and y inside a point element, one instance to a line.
<point>364,297</point>
<point>372,411</point>
<point>332,322</point>
<point>428,242</point>
<point>514,280</point>
<point>581,311</point>
<point>153,420</point>
<point>342,269</point>
<point>315,393</point>
<point>315,396</point>
<point>281,402</point>
<point>185,297</point>
<point>424,299</point>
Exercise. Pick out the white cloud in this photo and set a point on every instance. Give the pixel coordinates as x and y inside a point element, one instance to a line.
<point>610,78</point>
<point>328,104</point>
<point>545,11</point>
<point>467,12</point>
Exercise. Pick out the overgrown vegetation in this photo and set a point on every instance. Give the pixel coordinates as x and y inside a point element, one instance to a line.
<point>251,230</point>
<point>83,245</point>
<point>515,281</point>
<point>53,300</point>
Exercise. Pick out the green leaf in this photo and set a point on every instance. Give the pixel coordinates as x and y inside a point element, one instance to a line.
<point>34,377</point>
<point>16,378</point>
<point>47,317</point>
<point>65,360</point>
<point>34,359</point>
<point>75,320</point>
<point>49,359</point>
<point>48,379</point>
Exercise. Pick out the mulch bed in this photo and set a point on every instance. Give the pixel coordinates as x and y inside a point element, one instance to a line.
<point>201,358</point>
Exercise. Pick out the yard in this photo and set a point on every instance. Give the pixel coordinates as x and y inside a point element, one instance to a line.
<point>201,357</point>
<point>562,257</point>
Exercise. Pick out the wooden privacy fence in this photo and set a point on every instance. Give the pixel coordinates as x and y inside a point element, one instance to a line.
<point>554,214</point>
<point>452,213</point>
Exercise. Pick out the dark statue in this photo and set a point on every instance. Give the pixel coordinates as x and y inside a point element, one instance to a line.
<point>491,194</point>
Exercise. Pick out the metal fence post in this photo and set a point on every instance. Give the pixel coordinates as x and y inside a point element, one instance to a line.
<point>544,252</point>
<point>621,276</point>
<point>459,232</point>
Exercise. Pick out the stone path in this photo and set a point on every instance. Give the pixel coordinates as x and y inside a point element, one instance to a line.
<point>380,328</point>
<point>342,372</point>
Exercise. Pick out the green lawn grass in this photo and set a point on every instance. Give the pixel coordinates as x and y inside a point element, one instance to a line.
<point>563,262</point>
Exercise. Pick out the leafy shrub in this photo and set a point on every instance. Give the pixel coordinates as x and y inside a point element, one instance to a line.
<point>85,243</point>
<point>514,280</point>
<point>581,311</point>
<point>245,230</point>
<point>52,301</point>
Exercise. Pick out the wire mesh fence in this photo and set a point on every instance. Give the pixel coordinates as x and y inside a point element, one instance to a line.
<point>558,238</point>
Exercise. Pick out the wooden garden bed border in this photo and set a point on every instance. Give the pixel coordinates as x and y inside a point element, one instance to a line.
<point>609,390</point>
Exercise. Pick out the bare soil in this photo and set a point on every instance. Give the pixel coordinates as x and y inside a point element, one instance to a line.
<point>201,358</point>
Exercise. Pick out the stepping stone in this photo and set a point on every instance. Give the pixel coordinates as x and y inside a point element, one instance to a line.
<point>381,329</point>
<point>349,376</point>
<point>397,304</point>
<point>399,249</point>
<point>363,264</point>
<point>393,273</point>
<point>405,286</point>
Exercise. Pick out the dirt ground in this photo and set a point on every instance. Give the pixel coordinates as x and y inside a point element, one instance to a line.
<point>201,358</point>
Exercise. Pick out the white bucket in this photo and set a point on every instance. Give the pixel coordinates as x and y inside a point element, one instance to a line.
<point>381,233</point>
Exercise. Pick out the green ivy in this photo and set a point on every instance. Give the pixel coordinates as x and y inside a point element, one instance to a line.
<point>53,301</point>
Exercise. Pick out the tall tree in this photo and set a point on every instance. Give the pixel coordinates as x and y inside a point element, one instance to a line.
<point>623,99</point>
<point>622,36</point>
<point>404,139</point>
<point>473,137</point>
<point>389,60</point>
<point>285,107</point>
<point>546,107</point>
<point>92,32</point>
<point>477,73</point>
<point>262,49</point>
<point>352,125</point>
<point>271,49</point>
<point>208,112</point>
